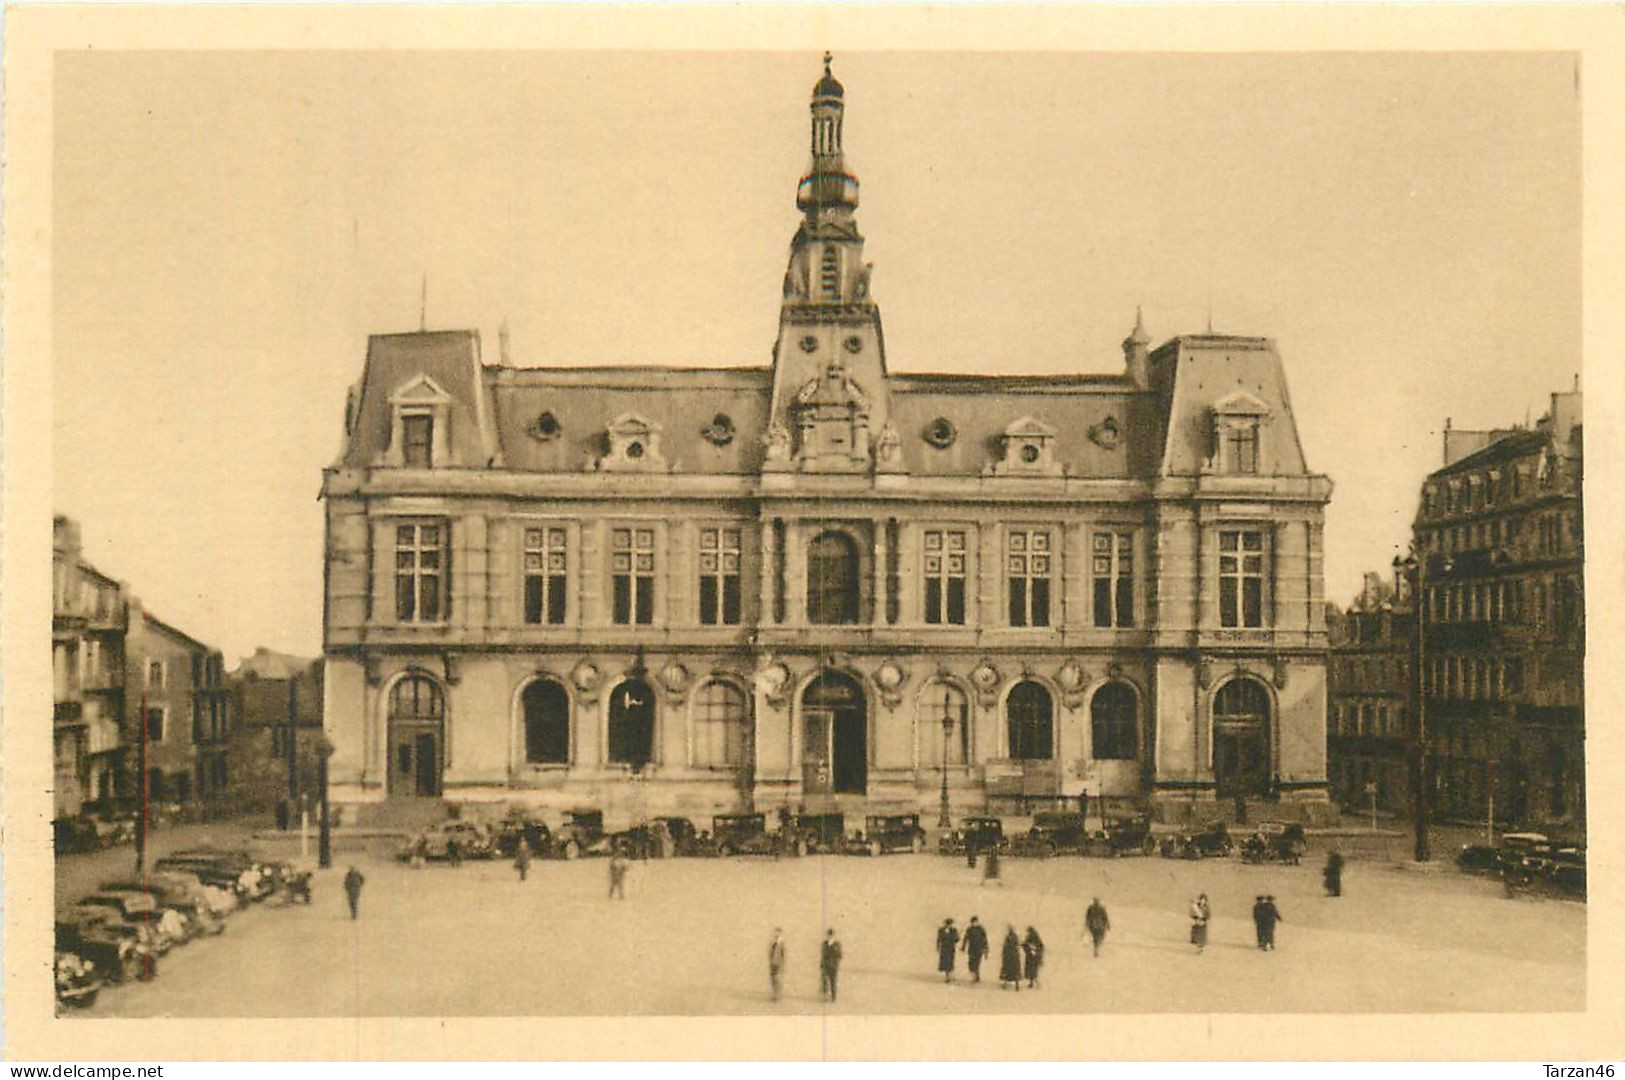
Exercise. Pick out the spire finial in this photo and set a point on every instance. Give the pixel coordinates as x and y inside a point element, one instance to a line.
<point>1138,336</point>
<point>829,57</point>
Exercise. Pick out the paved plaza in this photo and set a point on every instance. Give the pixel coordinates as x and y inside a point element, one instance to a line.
<point>691,938</point>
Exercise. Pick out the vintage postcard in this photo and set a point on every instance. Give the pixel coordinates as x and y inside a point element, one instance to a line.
<point>509,592</point>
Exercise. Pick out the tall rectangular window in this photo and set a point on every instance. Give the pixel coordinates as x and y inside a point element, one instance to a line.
<point>945,576</point>
<point>155,723</point>
<point>1241,578</point>
<point>1028,557</point>
<point>1241,444</point>
<point>719,576</point>
<point>420,572</point>
<point>417,435</point>
<point>546,575</point>
<point>632,569</point>
<point>1112,563</point>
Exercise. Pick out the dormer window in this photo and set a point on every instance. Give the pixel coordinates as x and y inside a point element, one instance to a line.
<point>1238,422</point>
<point>634,446</point>
<point>420,422</point>
<point>1029,450</point>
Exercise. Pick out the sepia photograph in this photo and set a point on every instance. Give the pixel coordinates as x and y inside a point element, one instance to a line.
<point>502,568</point>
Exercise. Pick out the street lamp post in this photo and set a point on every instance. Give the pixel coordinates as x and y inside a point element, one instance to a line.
<point>324,845</point>
<point>1415,574</point>
<point>944,818</point>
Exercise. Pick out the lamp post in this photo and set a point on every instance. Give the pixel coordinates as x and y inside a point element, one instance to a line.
<point>1414,571</point>
<point>324,845</point>
<point>945,819</point>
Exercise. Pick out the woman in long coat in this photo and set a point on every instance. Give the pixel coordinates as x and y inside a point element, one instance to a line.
<point>1032,946</point>
<point>1199,917</point>
<point>947,945</point>
<point>1010,960</point>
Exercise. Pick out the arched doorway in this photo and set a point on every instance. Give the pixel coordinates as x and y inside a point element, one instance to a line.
<point>546,709</point>
<point>632,724</point>
<point>1030,718</point>
<point>1241,738</point>
<point>835,735</point>
<point>1114,723</point>
<point>834,573</point>
<point>417,736</point>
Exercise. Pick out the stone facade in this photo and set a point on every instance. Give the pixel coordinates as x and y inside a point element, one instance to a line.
<point>1368,733</point>
<point>1501,530</point>
<point>87,661</point>
<point>277,706</point>
<point>822,582</point>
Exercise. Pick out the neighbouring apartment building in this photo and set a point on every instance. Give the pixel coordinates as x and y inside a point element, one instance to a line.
<point>823,582</point>
<point>1368,732</point>
<point>1501,529</point>
<point>111,660</point>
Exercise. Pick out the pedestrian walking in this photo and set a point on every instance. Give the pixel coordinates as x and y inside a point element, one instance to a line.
<point>521,858</point>
<point>1097,923</point>
<point>1032,953</point>
<point>976,948</point>
<point>1258,919</point>
<point>617,876</point>
<point>775,962</point>
<point>352,889</point>
<point>1010,960</point>
<point>947,946</point>
<point>454,854</point>
<point>990,868</point>
<point>1200,913</point>
<point>1333,874</point>
<point>420,852</point>
<point>1268,917</point>
<point>829,965</point>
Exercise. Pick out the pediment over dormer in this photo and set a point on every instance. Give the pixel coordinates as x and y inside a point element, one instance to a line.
<point>1027,449</point>
<point>1240,403</point>
<point>419,390</point>
<point>633,446</point>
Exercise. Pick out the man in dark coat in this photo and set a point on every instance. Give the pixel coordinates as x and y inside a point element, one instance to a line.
<point>617,875</point>
<point>947,945</point>
<point>1010,960</point>
<point>775,962</point>
<point>1032,951</point>
<point>1096,922</point>
<point>1333,874</point>
<point>975,947</point>
<point>829,965</point>
<point>1258,919</point>
<point>1267,916</point>
<point>352,889</point>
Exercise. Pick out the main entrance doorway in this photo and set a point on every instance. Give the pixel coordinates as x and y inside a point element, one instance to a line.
<point>1241,739</point>
<point>417,733</point>
<point>835,736</point>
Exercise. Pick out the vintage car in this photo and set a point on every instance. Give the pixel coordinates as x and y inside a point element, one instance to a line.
<point>743,834</point>
<point>638,842</point>
<point>815,834</point>
<point>468,839</point>
<point>582,833</point>
<point>516,827</point>
<point>1274,841</point>
<point>256,876</point>
<point>974,835</point>
<point>1123,836</point>
<point>889,832</point>
<point>223,878</point>
<point>685,838</point>
<point>118,952</point>
<point>167,927</point>
<point>1212,840</point>
<point>1053,832</point>
<point>1479,858</point>
<point>77,980</point>
<point>180,896</point>
<point>1567,869</point>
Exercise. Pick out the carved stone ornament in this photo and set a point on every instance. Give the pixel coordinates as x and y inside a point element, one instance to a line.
<point>1106,434</point>
<point>585,675</point>
<point>453,666</point>
<point>888,449</point>
<point>372,670</point>
<point>1114,670</point>
<point>773,680</point>
<point>777,441</point>
<point>1280,674</point>
<point>985,677</point>
<point>1204,674</point>
<point>674,677</point>
<point>891,678</point>
<point>1072,679</point>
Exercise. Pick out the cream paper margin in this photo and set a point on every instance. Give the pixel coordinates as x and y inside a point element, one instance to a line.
<point>33,34</point>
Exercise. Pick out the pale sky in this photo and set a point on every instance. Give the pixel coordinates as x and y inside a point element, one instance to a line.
<point>229,227</point>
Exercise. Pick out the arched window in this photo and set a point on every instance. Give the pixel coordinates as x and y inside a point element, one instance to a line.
<point>1114,718</point>
<point>1241,701</point>
<point>416,698</point>
<point>547,723</point>
<point>1241,738</point>
<point>632,724</point>
<point>1030,715</point>
<point>944,722</point>
<point>832,579</point>
<point>719,726</point>
<point>417,713</point>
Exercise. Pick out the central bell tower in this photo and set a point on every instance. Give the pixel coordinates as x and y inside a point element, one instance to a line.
<point>829,327</point>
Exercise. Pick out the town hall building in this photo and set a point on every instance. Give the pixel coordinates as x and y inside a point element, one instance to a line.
<point>823,583</point>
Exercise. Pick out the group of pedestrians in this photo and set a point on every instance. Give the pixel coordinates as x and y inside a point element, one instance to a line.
<point>829,964</point>
<point>1019,957</point>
